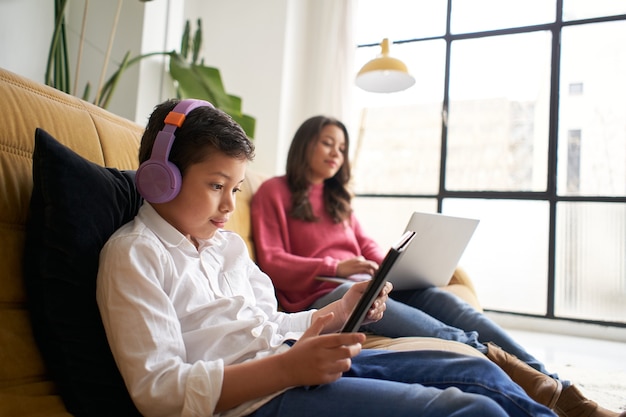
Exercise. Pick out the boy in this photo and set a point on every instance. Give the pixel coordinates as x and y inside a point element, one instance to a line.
<point>193,323</point>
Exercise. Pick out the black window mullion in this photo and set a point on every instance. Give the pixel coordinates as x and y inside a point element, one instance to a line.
<point>552,156</point>
<point>444,114</point>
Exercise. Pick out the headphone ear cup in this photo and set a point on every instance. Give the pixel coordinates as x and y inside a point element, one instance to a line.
<point>158,181</point>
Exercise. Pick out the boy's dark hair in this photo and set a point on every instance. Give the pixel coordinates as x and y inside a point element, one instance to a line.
<point>336,195</point>
<point>205,130</point>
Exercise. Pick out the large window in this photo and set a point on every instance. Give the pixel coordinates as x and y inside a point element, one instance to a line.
<point>518,118</point>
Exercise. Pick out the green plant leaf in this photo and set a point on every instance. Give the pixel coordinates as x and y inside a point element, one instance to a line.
<point>126,63</point>
<point>109,87</point>
<point>192,80</point>
<point>86,91</point>
<point>57,49</point>
<point>205,83</point>
<point>184,43</point>
<point>247,123</point>
<point>197,42</point>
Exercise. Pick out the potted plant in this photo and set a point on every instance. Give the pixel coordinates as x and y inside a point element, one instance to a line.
<point>191,77</point>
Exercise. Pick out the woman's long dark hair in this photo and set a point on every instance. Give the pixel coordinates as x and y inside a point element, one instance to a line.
<point>336,194</point>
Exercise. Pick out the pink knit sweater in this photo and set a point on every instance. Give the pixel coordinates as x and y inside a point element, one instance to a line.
<point>294,252</point>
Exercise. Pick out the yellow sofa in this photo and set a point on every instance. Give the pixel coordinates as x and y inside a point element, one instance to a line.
<point>27,387</point>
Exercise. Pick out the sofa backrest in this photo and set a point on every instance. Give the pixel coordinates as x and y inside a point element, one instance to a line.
<point>93,133</point>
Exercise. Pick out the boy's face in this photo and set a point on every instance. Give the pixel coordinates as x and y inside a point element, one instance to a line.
<point>206,198</point>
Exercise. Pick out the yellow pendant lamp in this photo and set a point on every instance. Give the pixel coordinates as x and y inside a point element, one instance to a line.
<point>384,74</point>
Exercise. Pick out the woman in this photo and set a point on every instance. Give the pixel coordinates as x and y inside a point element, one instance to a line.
<point>304,227</point>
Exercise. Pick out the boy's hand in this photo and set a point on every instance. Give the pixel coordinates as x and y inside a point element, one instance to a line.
<point>342,308</point>
<point>320,359</point>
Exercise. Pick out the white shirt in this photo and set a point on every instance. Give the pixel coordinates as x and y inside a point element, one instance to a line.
<point>176,315</point>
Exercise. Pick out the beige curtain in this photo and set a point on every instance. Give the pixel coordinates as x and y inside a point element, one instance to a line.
<point>332,57</point>
<point>320,37</point>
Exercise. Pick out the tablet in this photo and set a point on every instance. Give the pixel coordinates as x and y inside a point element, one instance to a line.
<point>376,284</point>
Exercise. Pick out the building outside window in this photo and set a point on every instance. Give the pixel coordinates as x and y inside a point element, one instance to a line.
<point>499,127</point>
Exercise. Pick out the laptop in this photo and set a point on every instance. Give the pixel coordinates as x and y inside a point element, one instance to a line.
<point>377,282</point>
<point>434,255</point>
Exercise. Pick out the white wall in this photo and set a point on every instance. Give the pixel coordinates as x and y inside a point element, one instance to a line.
<point>127,37</point>
<point>272,54</point>
<point>26,28</point>
<point>162,31</point>
<point>247,41</point>
<point>25,33</point>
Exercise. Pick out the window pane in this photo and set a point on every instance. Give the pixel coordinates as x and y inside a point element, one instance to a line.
<point>399,19</point>
<point>584,9</point>
<point>591,261</point>
<point>482,15</point>
<point>507,258</point>
<point>592,138</point>
<point>385,219</point>
<point>499,113</point>
<point>397,146</point>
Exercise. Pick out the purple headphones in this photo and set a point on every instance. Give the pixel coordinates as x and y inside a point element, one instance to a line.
<point>158,180</point>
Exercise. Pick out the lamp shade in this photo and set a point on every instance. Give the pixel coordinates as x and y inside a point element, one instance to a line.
<point>384,74</point>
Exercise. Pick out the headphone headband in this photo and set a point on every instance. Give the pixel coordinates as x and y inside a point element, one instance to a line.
<point>158,180</point>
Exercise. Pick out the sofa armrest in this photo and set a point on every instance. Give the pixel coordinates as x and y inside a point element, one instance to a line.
<point>461,285</point>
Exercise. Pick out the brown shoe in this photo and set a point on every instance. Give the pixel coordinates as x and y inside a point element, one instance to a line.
<point>540,387</point>
<point>572,403</point>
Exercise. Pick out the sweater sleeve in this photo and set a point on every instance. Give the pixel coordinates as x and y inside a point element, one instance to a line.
<point>293,276</point>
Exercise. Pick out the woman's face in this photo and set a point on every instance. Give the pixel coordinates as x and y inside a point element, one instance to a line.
<point>327,155</point>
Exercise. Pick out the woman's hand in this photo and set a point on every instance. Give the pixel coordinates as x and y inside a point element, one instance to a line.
<point>355,293</point>
<point>316,359</point>
<point>342,308</point>
<point>358,265</point>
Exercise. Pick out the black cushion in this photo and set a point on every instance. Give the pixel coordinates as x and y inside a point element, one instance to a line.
<point>75,207</point>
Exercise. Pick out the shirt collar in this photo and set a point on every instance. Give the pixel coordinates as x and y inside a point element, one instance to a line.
<point>170,236</point>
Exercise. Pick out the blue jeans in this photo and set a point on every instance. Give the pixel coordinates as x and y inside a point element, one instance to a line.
<point>412,383</point>
<point>433,312</point>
